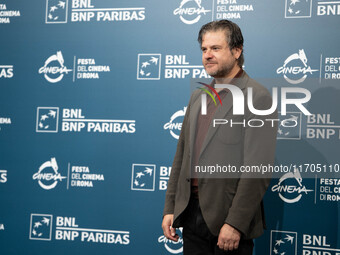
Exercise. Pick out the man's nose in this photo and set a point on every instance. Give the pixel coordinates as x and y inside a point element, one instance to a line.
<point>207,54</point>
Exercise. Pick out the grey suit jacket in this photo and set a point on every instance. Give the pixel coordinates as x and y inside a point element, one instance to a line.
<point>237,200</point>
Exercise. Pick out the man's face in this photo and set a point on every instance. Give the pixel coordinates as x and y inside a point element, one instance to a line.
<point>217,58</point>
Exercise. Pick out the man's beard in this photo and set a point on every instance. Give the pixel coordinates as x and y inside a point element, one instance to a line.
<point>221,72</point>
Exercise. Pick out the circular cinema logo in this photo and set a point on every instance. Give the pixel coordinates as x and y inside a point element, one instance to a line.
<point>54,68</point>
<point>48,176</point>
<point>290,187</point>
<point>175,123</point>
<point>190,11</point>
<point>172,246</point>
<point>295,68</point>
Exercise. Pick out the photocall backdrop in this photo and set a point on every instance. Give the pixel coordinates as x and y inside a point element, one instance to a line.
<point>93,93</point>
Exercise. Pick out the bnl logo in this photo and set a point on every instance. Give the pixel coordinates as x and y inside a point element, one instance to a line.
<point>298,9</point>
<point>143,177</point>
<point>56,11</point>
<point>41,227</point>
<point>47,119</point>
<point>149,67</point>
<point>290,126</point>
<point>283,243</point>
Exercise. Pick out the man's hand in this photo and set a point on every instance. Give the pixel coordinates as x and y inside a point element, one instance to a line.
<point>168,230</point>
<point>229,238</point>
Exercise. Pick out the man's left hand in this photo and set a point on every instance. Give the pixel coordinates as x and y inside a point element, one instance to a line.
<point>229,238</point>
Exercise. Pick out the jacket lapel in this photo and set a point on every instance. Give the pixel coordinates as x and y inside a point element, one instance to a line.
<point>195,110</point>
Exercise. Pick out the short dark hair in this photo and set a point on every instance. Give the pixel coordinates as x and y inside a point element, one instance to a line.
<point>233,32</point>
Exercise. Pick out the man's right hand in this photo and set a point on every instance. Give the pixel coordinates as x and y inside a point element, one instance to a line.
<point>168,230</point>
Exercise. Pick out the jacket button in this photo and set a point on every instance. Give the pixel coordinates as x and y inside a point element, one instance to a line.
<point>188,180</point>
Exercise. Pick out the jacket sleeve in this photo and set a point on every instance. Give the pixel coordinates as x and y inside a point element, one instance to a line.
<point>259,149</point>
<point>177,162</point>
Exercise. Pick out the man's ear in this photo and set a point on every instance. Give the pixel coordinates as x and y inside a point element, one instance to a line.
<point>237,52</point>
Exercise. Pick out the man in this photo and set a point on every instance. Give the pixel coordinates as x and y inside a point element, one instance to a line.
<point>223,213</point>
